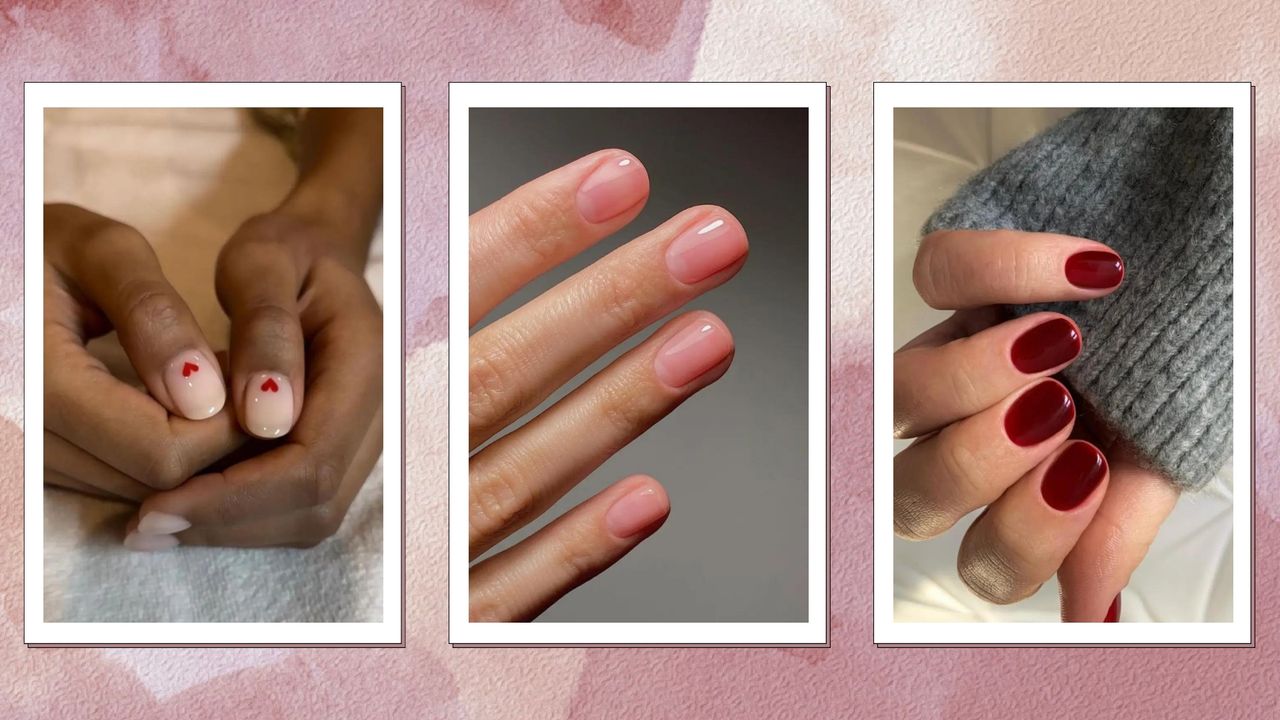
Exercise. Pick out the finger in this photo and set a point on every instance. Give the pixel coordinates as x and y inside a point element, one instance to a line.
<point>516,362</point>
<point>940,479</point>
<point>961,324</point>
<point>521,475</point>
<point>258,284</point>
<point>1137,502</point>
<point>1023,537</point>
<point>935,386</point>
<point>53,478</point>
<point>69,461</point>
<point>521,582</point>
<point>549,220</point>
<point>957,269</point>
<point>117,269</point>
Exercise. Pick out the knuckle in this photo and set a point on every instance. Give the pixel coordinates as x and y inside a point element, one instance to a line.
<point>149,304</point>
<point>319,482</point>
<point>572,550</point>
<point>929,272</point>
<point>273,324</point>
<point>619,295</point>
<point>962,470</point>
<point>322,523</point>
<point>491,393</point>
<point>625,408</point>
<point>532,223</point>
<point>164,467</point>
<point>500,498</point>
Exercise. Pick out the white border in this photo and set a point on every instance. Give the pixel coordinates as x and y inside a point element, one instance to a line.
<point>163,95</point>
<point>889,96</point>
<point>463,97</point>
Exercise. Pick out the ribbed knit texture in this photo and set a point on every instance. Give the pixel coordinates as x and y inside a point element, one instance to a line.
<point>1155,186</point>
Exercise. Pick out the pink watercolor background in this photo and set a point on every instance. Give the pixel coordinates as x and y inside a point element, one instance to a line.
<point>425,45</point>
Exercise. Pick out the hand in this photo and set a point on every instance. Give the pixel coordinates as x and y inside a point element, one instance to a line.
<point>103,436</point>
<point>520,359</point>
<point>994,430</point>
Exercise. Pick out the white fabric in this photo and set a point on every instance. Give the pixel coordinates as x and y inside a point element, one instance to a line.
<point>1187,575</point>
<point>186,179</point>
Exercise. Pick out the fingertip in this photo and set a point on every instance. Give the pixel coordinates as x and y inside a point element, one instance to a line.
<point>640,510</point>
<point>616,184</point>
<point>701,345</point>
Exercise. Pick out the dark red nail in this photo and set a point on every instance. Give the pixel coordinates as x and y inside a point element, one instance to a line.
<point>1039,413</point>
<point>1113,612</point>
<point>1095,269</point>
<point>1046,345</point>
<point>1073,475</point>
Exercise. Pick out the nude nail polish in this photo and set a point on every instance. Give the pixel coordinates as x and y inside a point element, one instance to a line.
<point>1039,414</point>
<point>158,523</point>
<point>705,249</point>
<point>636,511</point>
<point>1073,476</point>
<point>695,349</point>
<point>1046,346</point>
<point>616,185</point>
<point>268,405</point>
<point>149,543</point>
<point>1095,270</point>
<point>195,384</point>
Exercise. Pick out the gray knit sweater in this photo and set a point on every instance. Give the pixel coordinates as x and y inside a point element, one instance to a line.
<point>1154,185</point>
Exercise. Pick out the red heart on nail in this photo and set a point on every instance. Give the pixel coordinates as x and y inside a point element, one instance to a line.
<point>270,386</point>
<point>188,368</point>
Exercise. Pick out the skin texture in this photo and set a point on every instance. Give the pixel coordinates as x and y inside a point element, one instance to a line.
<point>956,390</point>
<point>520,359</point>
<point>291,283</point>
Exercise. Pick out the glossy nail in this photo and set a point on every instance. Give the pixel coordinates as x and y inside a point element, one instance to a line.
<point>636,511</point>
<point>158,523</point>
<point>1095,269</point>
<point>1046,346</point>
<point>705,249</point>
<point>1039,414</point>
<point>615,185</point>
<point>692,351</point>
<point>268,405</point>
<point>149,543</point>
<point>195,384</point>
<point>1113,612</point>
<point>1072,477</point>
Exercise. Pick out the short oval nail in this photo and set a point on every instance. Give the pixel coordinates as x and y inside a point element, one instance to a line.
<point>692,351</point>
<point>1113,612</point>
<point>636,511</point>
<point>268,405</point>
<point>1073,476</point>
<point>1095,269</point>
<point>1045,346</point>
<point>705,249</point>
<point>614,186</point>
<point>195,384</point>
<point>1039,414</point>
<point>149,543</point>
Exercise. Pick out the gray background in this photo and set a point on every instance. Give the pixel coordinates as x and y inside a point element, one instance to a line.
<point>733,458</point>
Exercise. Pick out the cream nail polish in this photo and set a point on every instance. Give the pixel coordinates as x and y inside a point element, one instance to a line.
<point>158,523</point>
<point>149,543</point>
<point>268,406</point>
<point>195,384</point>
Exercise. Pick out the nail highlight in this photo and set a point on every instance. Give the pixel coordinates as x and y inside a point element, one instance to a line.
<point>1046,346</point>
<point>149,543</point>
<point>1095,270</point>
<point>195,384</point>
<point>1073,476</point>
<point>636,511</point>
<point>614,186</point>
<point>705,249</point>
<point>158,523</point>
<point>692,351</point>
<point>1039,414</point>
<point>268,405</point>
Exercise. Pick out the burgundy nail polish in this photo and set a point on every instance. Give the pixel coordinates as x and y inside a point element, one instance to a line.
<point>1045,346</point>
<point>1073,476</point>
<point>1039,413</point>
<point>1095,270</point>
<point>1113,612</point>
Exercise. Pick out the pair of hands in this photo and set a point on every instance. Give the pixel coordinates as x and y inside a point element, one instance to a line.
<point>520,359</point>
<point>196,446</point>
<point>993,430</point>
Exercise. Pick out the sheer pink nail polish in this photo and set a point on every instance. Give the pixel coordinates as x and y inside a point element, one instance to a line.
<point>705,249</point>
<point>614,186</point>
<point>636,511</point>
<point>195,384</point>
<point>158,523</point>
<point>692,351</point>
<point>268,406</point>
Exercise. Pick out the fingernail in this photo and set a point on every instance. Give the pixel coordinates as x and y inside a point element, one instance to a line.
<point>636,511</point>
<point>268,405</point>
<point>616,185</point>
<point>149,543</point>
<point>691,352</point>
<point>705,249</point>
<point>1045,346</point>
<point>1095,269</point>
<point>1113,612</point>
<point>1073,476</point>
<point>1039,414</point>
<point>158,523</point>
<point>195,384</point>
